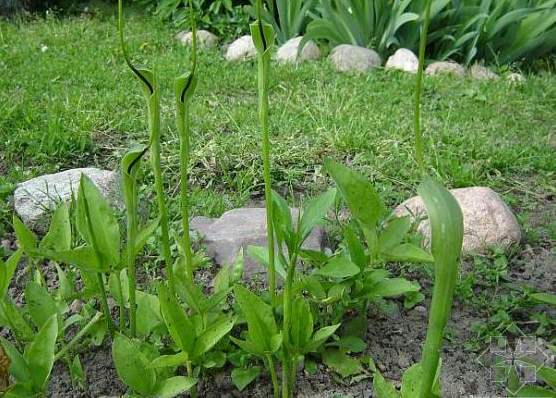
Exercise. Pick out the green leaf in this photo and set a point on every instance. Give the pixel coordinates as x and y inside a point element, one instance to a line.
<point>362,200</point>
<point>242,377</point>
<point>383,388</point>
<point>18,366</point>
<point>82,257</point>
<point>212,335</point>
<point>144,235</point>
<point>25,237</point>
<point>237,271</point>
<point>301,324</point>
<point>148,313</point>
<point>315,211</point>
<point>355,248</point>
<point>534,392</point>
<point>179,325</point>
<point>406,252</point>
<point>7,271</point>
<point>394,233</point>
<point>163,361</point>
<point>313,286</point>
<point>548,375</point>
<point>338,267</point>
<point>412,380</point>
<point>184,87</point>
<point>260,320</point>
<point>39,355</point>
<point>544,298</point>
<point>263,37</point>
<point>392,287</point>
<point>352,344</point>
<point>19,322</point>
<point>341,363</point>
<point>58,237</point>
<point>97,224</point>
<point>260,255</point>
<point>40,304</point>
<point>132,365</point>
<point>173,386</point>
<point>320,337</point>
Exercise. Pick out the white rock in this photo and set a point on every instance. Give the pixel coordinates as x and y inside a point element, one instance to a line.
<point>239,228</point>
<point>516,77</point>
<point>287,52</point>
<point>205,39</point>
<point>487,220</point>
<point>445,68</point>
<point>35,199</point>
<point>403,59</point>
<point>347,57</point>
<point>241,49</point>
<point>481,72</point>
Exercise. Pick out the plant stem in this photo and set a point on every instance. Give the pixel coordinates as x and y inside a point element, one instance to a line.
<point>121,303</point>
<point>78,336</point>
<point>418,88</point>
<point>131,234</point>
<point>273,376</point>
<point>193,390</point>
<point>154,126</point>
<point>263,83</point>
<point>184,130</point>
<point>286,326</point>
<point>104,304</point>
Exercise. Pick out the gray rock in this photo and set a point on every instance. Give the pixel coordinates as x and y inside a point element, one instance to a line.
<point>239,228</point>
<point>445,68</point>
<point>241,49</point>
<point>403,59</point>
<point>205,39</point>
<point>36,199</point>
<point>487,220</point>
<point>287,52</point>
<point>347,57</point>
<point>480,72</point>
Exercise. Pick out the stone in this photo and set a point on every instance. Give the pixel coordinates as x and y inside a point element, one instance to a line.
<point>445,68</point>
<point>241,49</point>
<point>480,72</point>
<point>516,77</point>
<point>36,199</point>
<point>287,52</point>
<point>487,221</point>
<point>205,39</point>
<point>347,57</point>
<point>404,60</point>
<point>239,228</point>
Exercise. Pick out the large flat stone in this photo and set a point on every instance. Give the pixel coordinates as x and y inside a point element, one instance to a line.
<point>487,221</point>
<point>36,199</point>
<point>347,57</point>
<point>240,228</point>
<point>241,49</point>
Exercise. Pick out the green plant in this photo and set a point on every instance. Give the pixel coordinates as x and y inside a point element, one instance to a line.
<point>364,23</point>
<point>288,18</point>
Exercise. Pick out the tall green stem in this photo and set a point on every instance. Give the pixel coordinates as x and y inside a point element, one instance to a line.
<point>184,130</point>
<point>78,336</point>
<point>120,301</point>
<point>273,376</point>
<point>287,369</point>
<point>131,233</point>
<point>104,304</point>
<point>263,85</point>
<point>418,88</point>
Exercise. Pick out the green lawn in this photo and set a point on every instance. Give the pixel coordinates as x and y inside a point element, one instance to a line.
<point>67,100</point>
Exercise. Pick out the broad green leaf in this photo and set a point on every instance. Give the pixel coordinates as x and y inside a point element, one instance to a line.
<point>260,255</point>
<point>7,271</point>
<point>301,324</point>
<point>406,252</point>
<point>242,377</point>
<point>313,286</point>
<point>394,233</point>
<point>178,324</point>
<point>132,365</point>
<point>355,248</point>
<point>174,386</point>
<point>97,224</point>
<point>341,363</point>
<point>352,344</point>
<point>383,388</point>
<point>144,234</point>
<point>21,390</point>
<point>544,298</point>
<point>39,355</point>
<point>260,319</point>
<point>18,320</point>
<point>534,392</point>
<point>361,198</point>
<point>212,335</point>
<point>83,257</point>
<point>321,336</point>
<point>548,375</point>
<point>338,267</point>
<point>162,361</point>
<point>184,87</point>
<point>148,313</point>
<point>40,304</point>
<point>25,237</point>
<point>222,279</point>
<point>412,380</point>
<point>263,37</point>
<point>18,366</point>
<point>315,211</point>
<point>237,271</point>
<point>58,237</point>
<point>392,287</point>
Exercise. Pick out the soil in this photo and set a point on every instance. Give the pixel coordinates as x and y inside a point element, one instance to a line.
<point>394,342</point>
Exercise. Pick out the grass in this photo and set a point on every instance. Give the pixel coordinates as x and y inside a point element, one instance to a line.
<point>67,100</point>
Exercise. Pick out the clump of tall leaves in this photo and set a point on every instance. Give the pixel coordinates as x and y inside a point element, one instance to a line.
<point>446,220</point>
